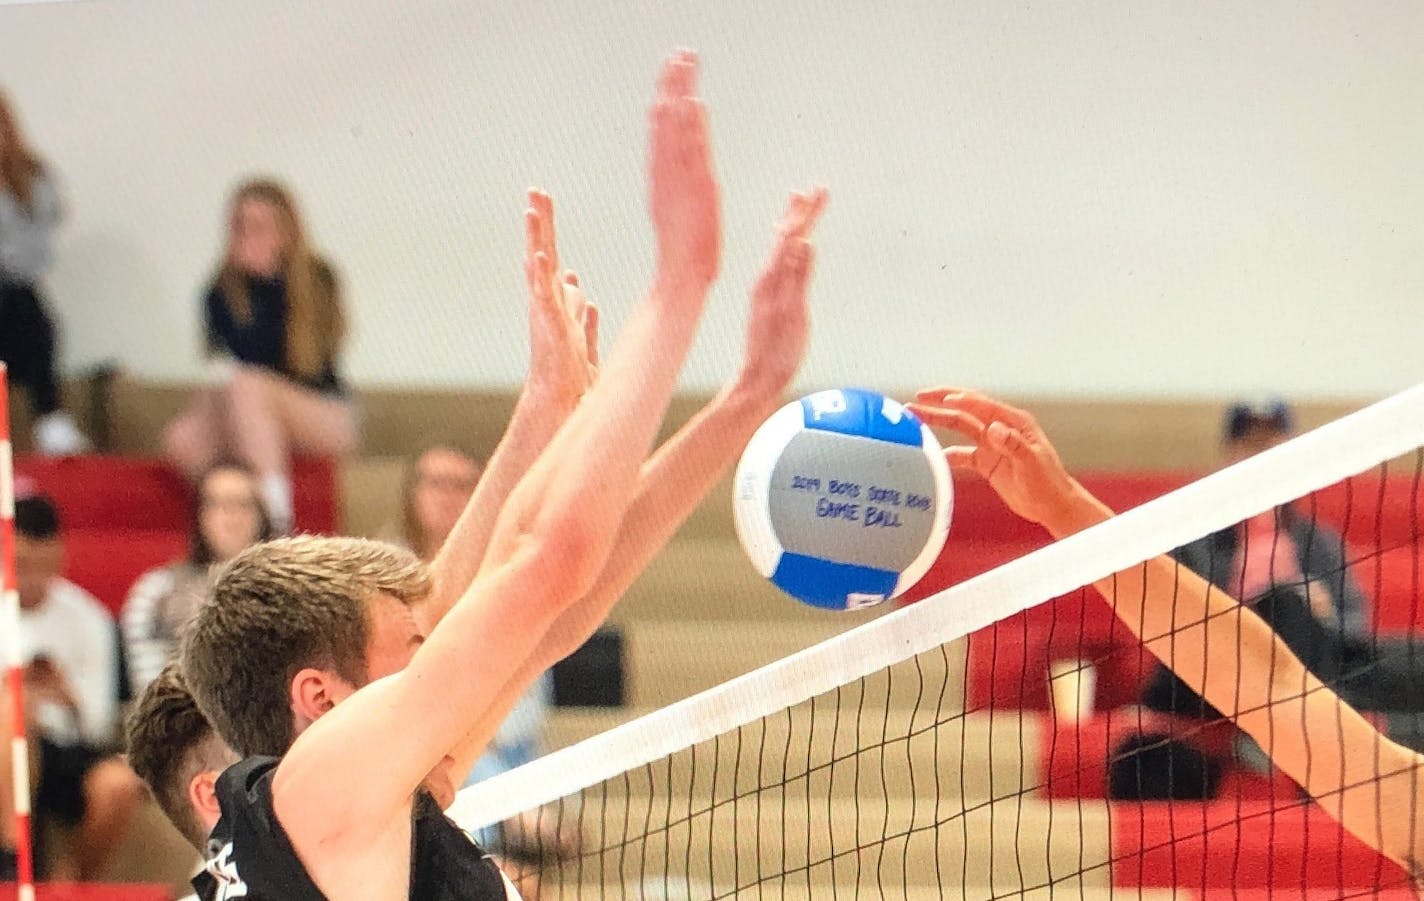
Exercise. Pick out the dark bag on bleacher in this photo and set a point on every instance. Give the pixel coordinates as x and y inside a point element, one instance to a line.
<point>592,676</point>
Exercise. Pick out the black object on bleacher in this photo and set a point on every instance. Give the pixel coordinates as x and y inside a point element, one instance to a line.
<point>592,676</point>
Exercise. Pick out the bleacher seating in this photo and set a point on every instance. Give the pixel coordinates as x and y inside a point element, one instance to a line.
<point>1381,520</point>
<point>124,516</point>
<point>1238,844</point>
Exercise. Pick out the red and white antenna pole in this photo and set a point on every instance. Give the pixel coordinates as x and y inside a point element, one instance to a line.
<point>14,666</point>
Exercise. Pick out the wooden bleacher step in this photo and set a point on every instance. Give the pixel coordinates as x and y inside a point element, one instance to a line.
<point>671,660</point>
<point>978,756</point>
<point>1009,845</point>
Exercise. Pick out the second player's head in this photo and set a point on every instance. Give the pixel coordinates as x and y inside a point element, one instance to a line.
<point>174,750</point>
<point>293,627</point>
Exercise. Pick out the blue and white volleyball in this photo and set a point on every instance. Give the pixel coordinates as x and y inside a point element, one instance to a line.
<point>843,499</point>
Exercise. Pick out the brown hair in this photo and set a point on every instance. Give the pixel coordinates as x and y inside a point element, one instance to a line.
<point>170,742</point>
<point>199,553</point>
<point>411,531</point>
<point>316,322</point>
<point>19,167</point>
<point>278,608</point>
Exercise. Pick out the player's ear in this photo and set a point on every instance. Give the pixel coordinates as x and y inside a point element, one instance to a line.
<point>314,692</point>
<point>203,795</point>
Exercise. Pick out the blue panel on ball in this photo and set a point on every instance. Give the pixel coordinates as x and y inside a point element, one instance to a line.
<point>855,411</point>
<point>825,583</point>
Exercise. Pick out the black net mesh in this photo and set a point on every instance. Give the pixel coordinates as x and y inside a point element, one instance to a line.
<point>1049,755</point>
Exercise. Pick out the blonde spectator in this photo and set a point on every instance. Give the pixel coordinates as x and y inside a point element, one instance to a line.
<point>275,326</point>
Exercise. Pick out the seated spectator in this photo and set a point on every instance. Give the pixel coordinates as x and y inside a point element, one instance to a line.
<point>275,326</point>
<point>229,516</point>
<point>438,484</point>
<point>438,487</point>
<point>71,690</point>
<point>29,212</point>
<point>1293,572</point>
<point>1280,555</point>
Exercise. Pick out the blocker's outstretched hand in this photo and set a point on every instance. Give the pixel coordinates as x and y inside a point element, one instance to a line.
<point>682,188</point>
<point>779,327</point>
<point>1010,451</point>
<point>563,323</point>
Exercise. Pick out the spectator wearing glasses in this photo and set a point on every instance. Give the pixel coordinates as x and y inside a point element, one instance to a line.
<point>228,517</point>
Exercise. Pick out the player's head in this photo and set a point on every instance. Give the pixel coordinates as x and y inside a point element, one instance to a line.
<point>437,489</point>
<point>174,750</point>
<point>295,626</point>
<point>39,550</point>
<point>1254,426</point>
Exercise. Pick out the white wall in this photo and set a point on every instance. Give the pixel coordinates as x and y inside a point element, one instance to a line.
<point>1152,198</point>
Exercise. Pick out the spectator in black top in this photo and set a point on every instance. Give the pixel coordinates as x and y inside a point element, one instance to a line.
<point>29,212</point>
<point>1291,568</point>
<point>275,326</point>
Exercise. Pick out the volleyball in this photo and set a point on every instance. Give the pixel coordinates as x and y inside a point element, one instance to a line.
<point>843,499</point>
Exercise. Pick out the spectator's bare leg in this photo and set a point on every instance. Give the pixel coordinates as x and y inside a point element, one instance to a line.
<point>257,433</point>
<point>112,794</point>
<point>259,439</point>
<point>194,440</point>
<point>316,425</point>
<point>269,417</point>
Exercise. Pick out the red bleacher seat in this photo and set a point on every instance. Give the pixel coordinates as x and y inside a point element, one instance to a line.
<point>124,516</point>
<point>1289,893</point>
<point>91,892</point>
<point>1010,660</point>
<point>1240,844</point>
<point>1381,519</point>
<point>106,562</point>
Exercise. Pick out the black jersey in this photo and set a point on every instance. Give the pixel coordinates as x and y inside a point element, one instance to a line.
<point>250,857</point>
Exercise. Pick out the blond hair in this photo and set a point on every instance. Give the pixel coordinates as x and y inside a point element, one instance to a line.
<point>281,607</point>
<point>316,322</point>
<point>19,166</point>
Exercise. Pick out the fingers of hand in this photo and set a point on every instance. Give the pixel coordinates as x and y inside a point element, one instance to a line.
<point>531,233</point>
<point>980,405</point>
<point>590,332</point>
<point>1007,440</point>
<point>964,423</point>
<point>573,296</point>
<point>803,212</point>
<point>802,254</point>
<point>960,456</point>
<point>679,75</point>
<point>543,204</point>
<point>795,265</point>
<point>541,281</point>
<point>691,123</point>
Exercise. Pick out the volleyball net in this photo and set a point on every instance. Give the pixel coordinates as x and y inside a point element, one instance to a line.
<point>1008,737</point>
